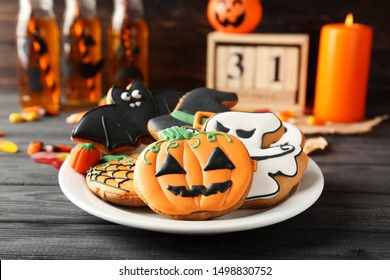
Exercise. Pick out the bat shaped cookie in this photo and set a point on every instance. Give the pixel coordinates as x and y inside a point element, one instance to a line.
<point>121,126</point>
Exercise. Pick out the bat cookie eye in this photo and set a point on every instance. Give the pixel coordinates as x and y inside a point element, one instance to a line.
<point>136,94</point>
<point>125,96</point>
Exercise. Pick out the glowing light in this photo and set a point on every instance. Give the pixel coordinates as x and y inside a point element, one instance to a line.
<point>349,19</point>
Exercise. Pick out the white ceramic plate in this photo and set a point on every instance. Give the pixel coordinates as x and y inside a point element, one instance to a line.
<point>75,188</point>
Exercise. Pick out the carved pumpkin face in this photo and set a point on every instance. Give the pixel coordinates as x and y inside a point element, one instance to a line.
<point>205,172</point>
<point>234,16</point>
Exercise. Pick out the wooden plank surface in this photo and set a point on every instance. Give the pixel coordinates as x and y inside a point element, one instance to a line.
<point>351,220</point>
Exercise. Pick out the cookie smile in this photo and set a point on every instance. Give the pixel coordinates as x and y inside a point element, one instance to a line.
<point>227,22</point>
<point>197,190</point>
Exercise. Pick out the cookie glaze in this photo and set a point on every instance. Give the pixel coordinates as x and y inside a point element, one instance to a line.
<point>279,159</point>
<point>113,180</point>
<point>117,173</point>
<point>251,127</point>
<point>177,176</point>
<point>197,100</point>
<point>123,122</point>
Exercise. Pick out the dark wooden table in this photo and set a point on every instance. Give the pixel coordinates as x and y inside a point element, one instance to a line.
<point>351,219</point>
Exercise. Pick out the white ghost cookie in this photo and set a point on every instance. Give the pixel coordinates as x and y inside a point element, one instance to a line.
<point>280,164</point>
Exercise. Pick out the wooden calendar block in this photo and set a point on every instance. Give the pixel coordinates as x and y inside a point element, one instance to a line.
<point>248,61</point>
<point>267,71</point>
<point>221,76</point>
<point>234,67</point>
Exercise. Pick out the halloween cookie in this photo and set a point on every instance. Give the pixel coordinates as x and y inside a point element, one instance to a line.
<point>121,125</point>
<point>280,165</point>
<point>83,157</point>
<point>193,176</point>
<point>194,109</point>
<point>113,181</point>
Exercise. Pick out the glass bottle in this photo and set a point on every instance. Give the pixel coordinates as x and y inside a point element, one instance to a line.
<point>82,53</point>
<point>38,54</point>
<point>128,43</point>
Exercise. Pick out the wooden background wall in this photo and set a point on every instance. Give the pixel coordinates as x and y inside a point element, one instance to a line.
<point>178,30</point>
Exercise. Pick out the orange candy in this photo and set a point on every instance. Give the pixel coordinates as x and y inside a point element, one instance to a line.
<point>312,120</point>
<point>287,115</point>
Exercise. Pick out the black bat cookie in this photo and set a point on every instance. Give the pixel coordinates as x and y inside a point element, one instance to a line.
<point>122,125</point>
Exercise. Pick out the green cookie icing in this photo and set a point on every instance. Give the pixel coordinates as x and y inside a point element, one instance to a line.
<point>175,134</point>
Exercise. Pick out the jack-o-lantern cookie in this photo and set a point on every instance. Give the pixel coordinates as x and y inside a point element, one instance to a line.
<point>193,176</point>
<point>280,165</point>
<point>113,180</point>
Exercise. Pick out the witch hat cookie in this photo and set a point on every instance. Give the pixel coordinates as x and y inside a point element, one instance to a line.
<point>194,109</point>
<point>121,126</point>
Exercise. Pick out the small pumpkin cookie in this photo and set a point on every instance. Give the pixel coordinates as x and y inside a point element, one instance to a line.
<point>83,157</point>
<point>113,180</point>
<point>193,176</point>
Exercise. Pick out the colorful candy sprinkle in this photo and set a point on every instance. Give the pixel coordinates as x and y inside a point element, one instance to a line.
<point>287,116</point>
<point>49,157</point>
<point>312,120</point>
<point>24,117</point>
<point>74,118</point>
<point>34,109</point>
<point>38,146</point>
<point>8,146</point>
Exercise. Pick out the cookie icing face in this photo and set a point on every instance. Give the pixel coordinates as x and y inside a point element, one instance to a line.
<point>250,128</point>
<point>205,172</point>
<point>136,101</point>
<point>277,159</point>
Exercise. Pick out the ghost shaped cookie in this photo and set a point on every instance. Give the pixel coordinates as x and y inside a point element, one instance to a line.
<point>280,159</point>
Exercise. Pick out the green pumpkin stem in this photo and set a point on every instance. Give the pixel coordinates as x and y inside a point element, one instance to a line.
<point>176,133</point>
<point>87,146</point>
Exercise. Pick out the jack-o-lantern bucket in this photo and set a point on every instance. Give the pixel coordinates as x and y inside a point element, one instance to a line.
<point>193,176</point>
<point>234,16</point>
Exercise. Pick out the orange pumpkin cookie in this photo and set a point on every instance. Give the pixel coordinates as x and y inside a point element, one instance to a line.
<point>193,176</point>
<point>113,180</point>
<point>83,157</point>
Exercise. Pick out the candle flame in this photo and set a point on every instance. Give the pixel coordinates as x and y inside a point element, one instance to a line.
<point>349,19</point>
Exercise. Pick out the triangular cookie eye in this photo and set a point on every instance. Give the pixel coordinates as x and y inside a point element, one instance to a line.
<point>170,166</point>
<point>218,160</point>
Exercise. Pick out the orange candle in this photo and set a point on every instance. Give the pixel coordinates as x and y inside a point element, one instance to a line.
<point>342,73</point>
